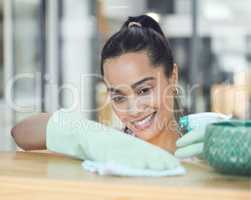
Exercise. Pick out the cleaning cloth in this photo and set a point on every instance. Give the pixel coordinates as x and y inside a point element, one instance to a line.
<point>111,168</point>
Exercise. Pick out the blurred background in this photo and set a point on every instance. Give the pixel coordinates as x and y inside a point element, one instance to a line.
<point>50,55</point>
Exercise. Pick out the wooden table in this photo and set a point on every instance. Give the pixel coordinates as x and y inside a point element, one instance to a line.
<point>32,176</point>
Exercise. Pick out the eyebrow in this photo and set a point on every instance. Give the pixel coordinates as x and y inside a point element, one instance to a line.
<point>134,85</point>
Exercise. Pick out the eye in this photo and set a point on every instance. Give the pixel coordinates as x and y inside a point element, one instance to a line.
<point>144,91</point>
<point>118,99</point>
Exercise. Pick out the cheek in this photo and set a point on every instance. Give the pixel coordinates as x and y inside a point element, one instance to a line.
<point>166,102</point>
<point>150,101</point>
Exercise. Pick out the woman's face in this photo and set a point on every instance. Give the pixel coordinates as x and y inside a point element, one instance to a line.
<point>141,95</point>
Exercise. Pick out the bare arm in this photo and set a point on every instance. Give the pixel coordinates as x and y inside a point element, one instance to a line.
<point>30,134</point>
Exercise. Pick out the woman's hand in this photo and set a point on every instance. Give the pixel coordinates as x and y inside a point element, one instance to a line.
<point>71,134</point>
<point>191,144</point>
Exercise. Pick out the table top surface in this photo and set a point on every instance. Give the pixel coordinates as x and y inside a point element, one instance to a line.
<point>54,175</point>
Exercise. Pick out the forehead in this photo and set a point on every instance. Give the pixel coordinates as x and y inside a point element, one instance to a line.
<point>129,68</point>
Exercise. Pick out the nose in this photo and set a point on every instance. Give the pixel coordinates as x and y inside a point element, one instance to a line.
<point>134,108</point>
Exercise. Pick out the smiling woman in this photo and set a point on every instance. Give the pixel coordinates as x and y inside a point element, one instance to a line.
<point>141,77</point>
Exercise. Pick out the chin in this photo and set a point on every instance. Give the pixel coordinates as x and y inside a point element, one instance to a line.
<point>146,135</point>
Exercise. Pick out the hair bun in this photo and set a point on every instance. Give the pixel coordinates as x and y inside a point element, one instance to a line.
<point>130,24</point>
<point>143,21</point>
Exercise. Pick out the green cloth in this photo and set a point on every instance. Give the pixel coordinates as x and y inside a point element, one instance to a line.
<point>69,133</point>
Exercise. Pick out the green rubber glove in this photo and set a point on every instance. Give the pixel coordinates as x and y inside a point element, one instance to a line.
<point>69,133</point>
<point>191,144</point>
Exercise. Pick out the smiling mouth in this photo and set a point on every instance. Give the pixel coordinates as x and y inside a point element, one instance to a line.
<point>145,122</point>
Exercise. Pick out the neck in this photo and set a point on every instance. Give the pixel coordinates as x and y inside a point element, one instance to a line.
<point>167,138</point>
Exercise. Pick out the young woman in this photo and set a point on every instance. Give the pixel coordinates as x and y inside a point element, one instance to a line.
<point>138,67</point>
<point>141,78</point>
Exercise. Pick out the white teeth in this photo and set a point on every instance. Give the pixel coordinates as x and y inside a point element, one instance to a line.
<point>144,120</point>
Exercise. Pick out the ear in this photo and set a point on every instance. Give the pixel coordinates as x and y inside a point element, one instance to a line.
<point>175,74</point>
